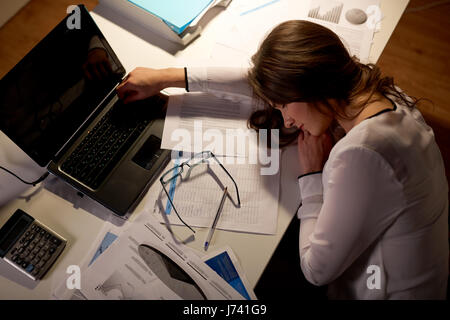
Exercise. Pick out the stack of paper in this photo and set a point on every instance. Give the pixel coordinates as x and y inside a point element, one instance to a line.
<point>251,21</point>
<point>144,262</point>
<point>200,121</point>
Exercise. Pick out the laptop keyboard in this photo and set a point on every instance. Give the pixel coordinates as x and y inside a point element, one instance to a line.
<point>104,146</point>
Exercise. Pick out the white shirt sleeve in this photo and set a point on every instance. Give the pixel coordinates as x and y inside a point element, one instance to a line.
<point>219,80</point>
<point>361,199</point>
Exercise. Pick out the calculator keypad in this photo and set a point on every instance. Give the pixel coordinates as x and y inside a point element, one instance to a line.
<point>36,250</point>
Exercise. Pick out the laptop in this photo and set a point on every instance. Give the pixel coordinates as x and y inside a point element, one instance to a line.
<point>59,105</point>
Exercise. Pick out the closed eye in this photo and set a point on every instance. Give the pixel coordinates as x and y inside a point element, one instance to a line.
<point>278,107</point>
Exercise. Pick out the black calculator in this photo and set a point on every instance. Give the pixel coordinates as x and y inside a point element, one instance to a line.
<point>29,245</point>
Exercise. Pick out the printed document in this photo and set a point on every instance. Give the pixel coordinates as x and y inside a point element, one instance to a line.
<point>203,121</point>
<point>174,272</point>
<point>251,21</point>
<point>197,197</point>
<point>336,15</point>
<point>198,122</point>
<point>107,235</point>
<point>248,23</point>
<point>226,264</point>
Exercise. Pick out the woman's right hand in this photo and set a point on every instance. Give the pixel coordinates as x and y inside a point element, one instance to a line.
<point>313,151</point>
<point>142,83</point>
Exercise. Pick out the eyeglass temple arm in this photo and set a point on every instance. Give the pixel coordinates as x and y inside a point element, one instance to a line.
<point>173,206</point>
<point>234,182</point>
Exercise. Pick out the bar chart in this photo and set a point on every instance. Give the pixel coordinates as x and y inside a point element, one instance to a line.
<point>330,13</point>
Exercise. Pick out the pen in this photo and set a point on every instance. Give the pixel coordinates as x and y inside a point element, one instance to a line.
<point>213,227</point>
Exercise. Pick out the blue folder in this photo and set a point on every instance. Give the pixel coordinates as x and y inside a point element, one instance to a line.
<point>177,14</point>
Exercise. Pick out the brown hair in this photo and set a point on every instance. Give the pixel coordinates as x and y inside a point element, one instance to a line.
<point>300,61</point>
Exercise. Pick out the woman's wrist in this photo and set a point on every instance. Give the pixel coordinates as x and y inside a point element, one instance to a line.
<point>309,173</point>
<point>309,170</point>
<point>172,77</point>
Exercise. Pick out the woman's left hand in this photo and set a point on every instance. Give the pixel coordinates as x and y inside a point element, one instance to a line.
<point>313,151</point>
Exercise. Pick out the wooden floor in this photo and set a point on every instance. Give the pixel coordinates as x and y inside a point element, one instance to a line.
<point>417,55</point>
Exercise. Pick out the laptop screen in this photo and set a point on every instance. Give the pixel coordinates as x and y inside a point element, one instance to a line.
<point>48,95</point>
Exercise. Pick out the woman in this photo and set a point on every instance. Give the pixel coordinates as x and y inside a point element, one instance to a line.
<point>374,214</point>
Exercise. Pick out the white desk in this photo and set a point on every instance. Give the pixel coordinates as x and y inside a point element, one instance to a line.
<point>81,228</point>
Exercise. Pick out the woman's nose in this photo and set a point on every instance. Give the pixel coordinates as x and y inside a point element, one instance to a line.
<point>288,121</point>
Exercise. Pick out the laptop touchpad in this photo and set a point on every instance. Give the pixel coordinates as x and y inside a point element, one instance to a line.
<point>149,153</point>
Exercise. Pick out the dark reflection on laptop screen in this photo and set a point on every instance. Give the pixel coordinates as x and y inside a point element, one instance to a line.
<point>50,93</point>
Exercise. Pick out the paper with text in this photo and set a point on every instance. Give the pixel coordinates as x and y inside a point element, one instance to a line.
<point>197,198</point>
<point>247,28</point>
<point>122,273</point>
<point>202,121</point>
<point>334,15</point>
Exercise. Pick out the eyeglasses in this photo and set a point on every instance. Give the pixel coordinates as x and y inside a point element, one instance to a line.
<point>177,170</point>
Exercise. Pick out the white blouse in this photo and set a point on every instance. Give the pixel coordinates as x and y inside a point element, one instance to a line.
<point>374,224</point>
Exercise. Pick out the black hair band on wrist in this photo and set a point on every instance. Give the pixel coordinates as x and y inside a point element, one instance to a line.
<point>186,83</point>
<point>308,174</point>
